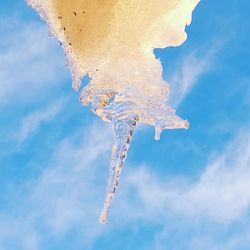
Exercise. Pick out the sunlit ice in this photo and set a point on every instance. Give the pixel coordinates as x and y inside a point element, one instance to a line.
<point>112,42</point>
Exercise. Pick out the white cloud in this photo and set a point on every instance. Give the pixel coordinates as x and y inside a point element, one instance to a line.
<point>219,195</point>
<point>31,123</point>
<point>69,194</point>
<point>26,67</point>
<point>213,204</point>
<point>188,71</point>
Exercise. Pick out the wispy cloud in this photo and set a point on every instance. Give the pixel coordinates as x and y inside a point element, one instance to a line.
<point>26,68</point>
<point>215,202</point>
<point>69,193</point>
<point>219,195</point>
<point>31,123</point>
<point>188,71</point>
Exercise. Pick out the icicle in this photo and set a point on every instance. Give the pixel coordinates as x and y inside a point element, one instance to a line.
<point>123,131</point>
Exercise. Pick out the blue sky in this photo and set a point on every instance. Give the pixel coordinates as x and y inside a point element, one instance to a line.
<point>189,191</point>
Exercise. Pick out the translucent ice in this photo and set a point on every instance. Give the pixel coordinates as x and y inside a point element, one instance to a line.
<point>112,42</point>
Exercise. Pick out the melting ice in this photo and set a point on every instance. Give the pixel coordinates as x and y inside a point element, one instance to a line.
<point>112,42</point>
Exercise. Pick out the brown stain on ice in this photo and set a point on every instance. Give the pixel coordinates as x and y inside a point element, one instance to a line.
<point>85,23</point>
<point>113,40</point>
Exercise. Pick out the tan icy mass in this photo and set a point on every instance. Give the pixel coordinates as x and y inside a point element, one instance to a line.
<point>112,42</point>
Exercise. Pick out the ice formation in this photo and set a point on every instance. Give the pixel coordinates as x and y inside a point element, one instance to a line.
<point>112,42</point>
